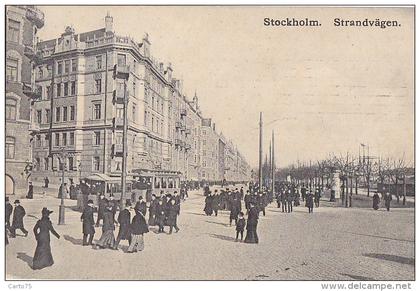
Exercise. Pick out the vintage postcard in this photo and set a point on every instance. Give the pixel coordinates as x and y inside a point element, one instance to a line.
<point>210,143</point>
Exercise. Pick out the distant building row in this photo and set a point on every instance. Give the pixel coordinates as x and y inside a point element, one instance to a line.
<point>78,109</point>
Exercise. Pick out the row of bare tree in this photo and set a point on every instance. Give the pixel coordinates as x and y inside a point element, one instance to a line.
<point>354,173</point>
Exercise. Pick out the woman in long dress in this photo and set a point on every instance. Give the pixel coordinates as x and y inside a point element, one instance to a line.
<point>43,257</point>
<point>251,226</point>
<point>107,239</point>
<point>138,227</point>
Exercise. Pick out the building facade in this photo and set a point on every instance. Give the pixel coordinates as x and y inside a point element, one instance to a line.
<point>22,24</point>
<point>79,117</point>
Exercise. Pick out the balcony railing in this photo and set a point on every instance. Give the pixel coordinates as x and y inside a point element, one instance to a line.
<point>32,91</point>
<point>178,124</point>
<point>35,15</point>
<point>31,53</point>
<point>183,112</point>
<point>188,131</point>
<point>178,142</point>
<point>34,126</point>
<point>117,150</point>
<point>118,122</point>
<point>121,72</point>
<point>183,127</point>
<point>118,96</point>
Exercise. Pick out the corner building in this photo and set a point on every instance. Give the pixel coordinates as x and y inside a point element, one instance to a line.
<point>80,111</point>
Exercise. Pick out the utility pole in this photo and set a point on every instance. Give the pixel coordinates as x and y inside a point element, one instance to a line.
<point>125,146</point>
<point>260,174</point>
<point>273,165</point>
<point>61,209</point>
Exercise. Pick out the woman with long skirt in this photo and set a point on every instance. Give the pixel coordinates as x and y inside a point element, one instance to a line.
<point>107,239</point>
<point>251,227</point>
<point>138,227</point>
<point>43,257</point>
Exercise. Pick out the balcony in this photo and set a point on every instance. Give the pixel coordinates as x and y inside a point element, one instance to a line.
<point>187,147</point>
<point>118,96</point>
<point>35,16</point>
<point>34,92</point>
<point>34,126</point>
<point>178,142</point>
<point>188,131</point>
<point>183,112</point>
<point>118,122</point>
<point>30,52</point>
<point>121,72</point>
<point>183,127</point>
<point>117,150</point>
<point>178,125</point>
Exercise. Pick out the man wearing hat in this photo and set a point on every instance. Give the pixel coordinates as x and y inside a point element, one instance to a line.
<point>17,222</point>
<point>124,219</point>
<point>30,194</point>
<point>8,211</point>
<point>141,206</point>
<point>88,223</point>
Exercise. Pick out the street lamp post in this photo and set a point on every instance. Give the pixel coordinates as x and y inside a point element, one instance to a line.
<point>61,211</point>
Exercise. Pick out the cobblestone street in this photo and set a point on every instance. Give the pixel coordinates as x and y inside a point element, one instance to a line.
<point>332,243</point>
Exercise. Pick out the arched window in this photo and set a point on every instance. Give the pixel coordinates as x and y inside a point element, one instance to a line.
<point>10,147</point>
<point>11,106</point>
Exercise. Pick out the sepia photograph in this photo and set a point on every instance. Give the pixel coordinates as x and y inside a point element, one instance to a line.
<point>209,143</point>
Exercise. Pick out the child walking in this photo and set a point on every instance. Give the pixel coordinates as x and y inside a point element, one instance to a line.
<point>240,226</point>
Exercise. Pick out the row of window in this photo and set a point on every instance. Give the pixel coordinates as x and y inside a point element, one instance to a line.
<point>68,164</point>
<point>60,139</point>
<point>66,66</point>
<point>153,122</point>
<point>62,114</point>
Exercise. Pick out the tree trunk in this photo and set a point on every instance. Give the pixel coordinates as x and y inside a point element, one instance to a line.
<point>396,190</point>
<point>404,190</point>
<point>368,185</point>
<point>356,188</point>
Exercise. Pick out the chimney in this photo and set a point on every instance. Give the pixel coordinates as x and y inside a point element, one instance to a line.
<point>108,23</point>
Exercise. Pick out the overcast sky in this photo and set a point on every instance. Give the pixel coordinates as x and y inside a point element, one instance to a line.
<point>322,89</point>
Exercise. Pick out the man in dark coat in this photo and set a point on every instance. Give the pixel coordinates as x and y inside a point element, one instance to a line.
<point>152,210</point>
<point>46,182</point>
<point>303,191</point>
<point>310,202</point>
<point>387,199</point>
<point>124,219</point>
<point>247,200</point>
<point>43,256</point>
<point>234,210</point>
<point>160,215</point>
<point>376,201</point>
<point>290,199</point>
<point>88,223</point>
<point>215,204</point>
<point>283,200</point>
<point>141,206</point>
<point>30,194</point>
<point>17,223</point>
<point>261,202</point>
<point>172,216</point>
<point>8,212</point>
<point>317,196</point>
<point>251,227</point>
<point>101,208</point>
<point>208,210</point>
